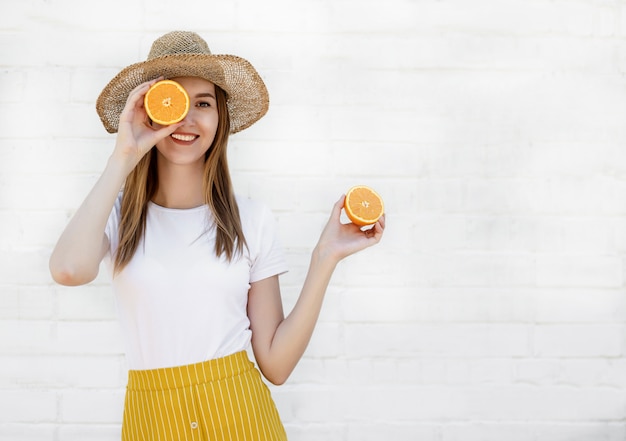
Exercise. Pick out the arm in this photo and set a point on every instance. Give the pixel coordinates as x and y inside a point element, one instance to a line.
<point>76,257</point>
<point>279,342</point>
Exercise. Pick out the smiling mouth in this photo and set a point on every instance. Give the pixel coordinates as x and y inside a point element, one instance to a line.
<point>185,138</point>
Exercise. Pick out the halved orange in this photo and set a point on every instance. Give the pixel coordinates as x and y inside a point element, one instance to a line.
<point>363,205</point>
<point>166,102</point>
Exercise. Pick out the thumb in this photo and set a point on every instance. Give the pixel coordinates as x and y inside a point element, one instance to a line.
<point>165,131</point>
<point>336,212</point>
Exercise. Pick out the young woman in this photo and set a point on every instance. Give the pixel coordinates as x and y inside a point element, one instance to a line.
<point>195,268</point>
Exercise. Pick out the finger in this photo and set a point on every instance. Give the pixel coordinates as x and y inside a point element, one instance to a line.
<point>134,103</point>
<point>163,132</point>
<point>147,84</point>
<point>379,228</point>
<point>135,97</point>
<point>381,221</point>
<point>336,212</point>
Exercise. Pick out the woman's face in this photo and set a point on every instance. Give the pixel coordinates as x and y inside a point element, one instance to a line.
<point>189,143</point>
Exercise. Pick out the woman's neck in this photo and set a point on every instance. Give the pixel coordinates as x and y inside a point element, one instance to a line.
<point>179,186</point>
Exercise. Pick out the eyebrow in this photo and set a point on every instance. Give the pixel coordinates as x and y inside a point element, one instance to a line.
<point>205,94</point>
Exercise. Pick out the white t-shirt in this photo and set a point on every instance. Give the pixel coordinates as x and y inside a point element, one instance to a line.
<point>177,302</point>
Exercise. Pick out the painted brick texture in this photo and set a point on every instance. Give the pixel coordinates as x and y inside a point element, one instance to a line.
<point>494,309</point>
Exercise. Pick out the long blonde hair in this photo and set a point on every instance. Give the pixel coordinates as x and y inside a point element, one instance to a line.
<point>142,183</point>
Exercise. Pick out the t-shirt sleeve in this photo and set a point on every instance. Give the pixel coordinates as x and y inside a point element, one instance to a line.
<point>112,227</point>
<point>267,255</point>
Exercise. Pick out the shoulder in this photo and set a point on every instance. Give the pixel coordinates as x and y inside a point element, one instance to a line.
<point>113,223</point>
<point>255,216</point>
<point>117,207</point>
<point>261,230</point>
<point>118,200</point>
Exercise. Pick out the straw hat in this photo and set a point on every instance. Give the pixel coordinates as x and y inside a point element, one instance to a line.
<point>179,54</point>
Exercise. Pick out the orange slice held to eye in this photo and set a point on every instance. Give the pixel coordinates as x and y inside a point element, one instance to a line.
<point>363,205</point>
<point>166,102</point>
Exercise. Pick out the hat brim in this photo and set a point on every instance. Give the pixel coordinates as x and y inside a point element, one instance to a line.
<point>247,96</point>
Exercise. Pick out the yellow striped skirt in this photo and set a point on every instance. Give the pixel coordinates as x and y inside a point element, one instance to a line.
<point>221,399</point>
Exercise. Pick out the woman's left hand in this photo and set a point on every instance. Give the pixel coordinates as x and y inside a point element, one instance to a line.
<point>339,240</point>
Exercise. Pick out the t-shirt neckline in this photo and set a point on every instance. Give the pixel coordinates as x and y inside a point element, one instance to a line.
<point>156,206</point>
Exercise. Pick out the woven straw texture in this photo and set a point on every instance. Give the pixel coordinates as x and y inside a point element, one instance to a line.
<point>180,54</point>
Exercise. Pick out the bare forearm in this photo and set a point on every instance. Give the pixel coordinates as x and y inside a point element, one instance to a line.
<point>76,258</point>
<point>294,332</point>
<point>279,342</point>
<point>78,252</point>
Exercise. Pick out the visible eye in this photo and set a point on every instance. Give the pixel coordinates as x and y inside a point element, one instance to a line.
<point>204,104</point>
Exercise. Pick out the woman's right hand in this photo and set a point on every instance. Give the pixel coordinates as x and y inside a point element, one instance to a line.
<point>76,257</point>
<point>135,136</point>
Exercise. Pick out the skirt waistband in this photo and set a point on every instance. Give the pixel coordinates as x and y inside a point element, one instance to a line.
<point>187,375</point>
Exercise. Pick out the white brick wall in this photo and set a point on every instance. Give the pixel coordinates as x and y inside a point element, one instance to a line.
<point>493,310</point>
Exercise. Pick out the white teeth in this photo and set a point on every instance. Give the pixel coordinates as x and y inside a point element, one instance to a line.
<point>183,137</point>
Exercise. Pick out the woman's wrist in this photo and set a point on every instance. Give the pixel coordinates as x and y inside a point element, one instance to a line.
<point>325,256</point>
<point>118,168</point>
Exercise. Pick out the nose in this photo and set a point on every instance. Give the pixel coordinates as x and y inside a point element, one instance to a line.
<point>190,117</point>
